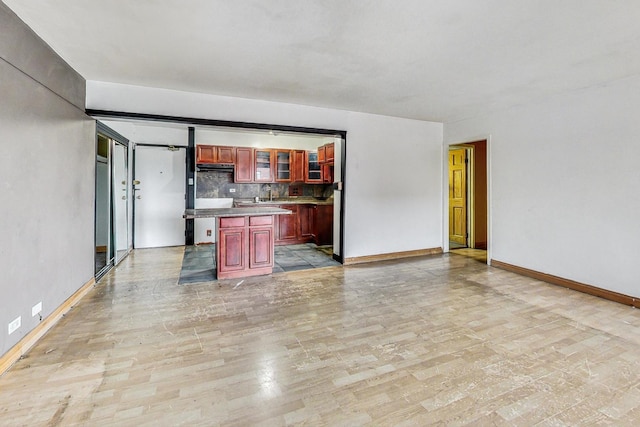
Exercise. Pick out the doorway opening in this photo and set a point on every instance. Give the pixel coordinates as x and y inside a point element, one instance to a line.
<point>468,218</point>
<point>148,129</point>
<point>159,188</point>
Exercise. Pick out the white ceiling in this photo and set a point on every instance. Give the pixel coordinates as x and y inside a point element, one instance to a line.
<point>440,60</point>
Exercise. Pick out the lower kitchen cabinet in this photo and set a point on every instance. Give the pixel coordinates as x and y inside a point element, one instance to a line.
<point>323,225</point>
<point>287,226</point>
<point>306,219</point>
<point>245,246</point>
<point>307,223</point>
<point>261,245</point>
<point>232,245</point>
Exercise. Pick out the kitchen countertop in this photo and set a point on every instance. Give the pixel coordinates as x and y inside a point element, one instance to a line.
<point>229,212</point>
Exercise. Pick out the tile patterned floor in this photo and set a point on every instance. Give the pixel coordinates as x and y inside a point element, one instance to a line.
<point>301,257</point>
<point>198,264</point>
<point>438,340</point>
<point>477,254</point>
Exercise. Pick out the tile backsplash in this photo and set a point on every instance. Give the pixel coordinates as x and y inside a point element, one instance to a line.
<point>215,184</point>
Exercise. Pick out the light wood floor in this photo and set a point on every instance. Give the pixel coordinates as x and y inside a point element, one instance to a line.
<point>436,340</point>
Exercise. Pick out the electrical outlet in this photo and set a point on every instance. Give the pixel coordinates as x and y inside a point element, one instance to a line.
<point>36,309</point>
<point>208,232</point>
<point>232,190</point>
<point>15,324</point>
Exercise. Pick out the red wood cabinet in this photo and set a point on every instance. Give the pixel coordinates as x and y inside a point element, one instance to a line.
<point>245,246</point>
<point>214,154</point>
<point>322,154</point>
<point>261,242</point>
<point>329,152</point>
<point>283,159</point>
<point>244,164</point>
<point>327,173</point>
<point>323,225</point>
<point>306,220</point>
<point>231,247</point>
<point>326,153</point>
<point>232,250</point>
<point>271,165</point>
<point>286,229</point>
<point>205,154</point>
<point>263,165</point>
<point>225,154</point>
<point>313,169</point>
<point>298,162</point>
<point>307,223</point>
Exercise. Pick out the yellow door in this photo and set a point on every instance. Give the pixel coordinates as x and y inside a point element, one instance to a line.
<point>458,196</point>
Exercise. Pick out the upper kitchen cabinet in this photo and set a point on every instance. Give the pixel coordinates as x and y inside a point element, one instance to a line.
<point>244,164</point>
<point>207,154</point>
<point>327,173</point>
<point>263,165</point>
<point>283,165</point>
<point>329,152</point>
<point>298,162</point>
<point>326,153</point>
<point>322,154</point>
<point>313,170</point>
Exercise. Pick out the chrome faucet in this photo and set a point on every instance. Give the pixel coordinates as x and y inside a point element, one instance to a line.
<point>268,188</point>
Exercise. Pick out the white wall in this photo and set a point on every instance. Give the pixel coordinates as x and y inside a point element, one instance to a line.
<point>145,133</point>
<point>393,173</point>
<point>260,139</point>
<point>564,184</point>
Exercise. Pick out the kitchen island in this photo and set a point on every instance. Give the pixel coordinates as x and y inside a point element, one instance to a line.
<point>245,239</point>
<point>311,220</point>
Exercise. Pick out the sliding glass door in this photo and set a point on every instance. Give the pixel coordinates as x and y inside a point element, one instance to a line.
<point>112,224</point>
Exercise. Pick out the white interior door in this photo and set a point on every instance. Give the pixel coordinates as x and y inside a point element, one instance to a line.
<point>159,196</point>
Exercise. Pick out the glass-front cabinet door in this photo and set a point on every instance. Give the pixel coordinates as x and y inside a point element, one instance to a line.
<point>283,165</point>
<point>314,170</point>
<point>264,165</point>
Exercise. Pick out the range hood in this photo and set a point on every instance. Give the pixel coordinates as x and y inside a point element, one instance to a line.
<point>223,167</point>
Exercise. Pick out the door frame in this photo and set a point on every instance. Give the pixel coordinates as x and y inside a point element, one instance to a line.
<point>114,138</point>
<point>470,202</point>
<point>188,184</point>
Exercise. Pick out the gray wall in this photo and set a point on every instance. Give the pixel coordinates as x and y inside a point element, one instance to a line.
<point>47,163</point>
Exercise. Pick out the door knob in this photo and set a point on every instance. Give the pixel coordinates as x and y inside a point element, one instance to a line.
<point>138,197</point>
<point>124,197</point>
